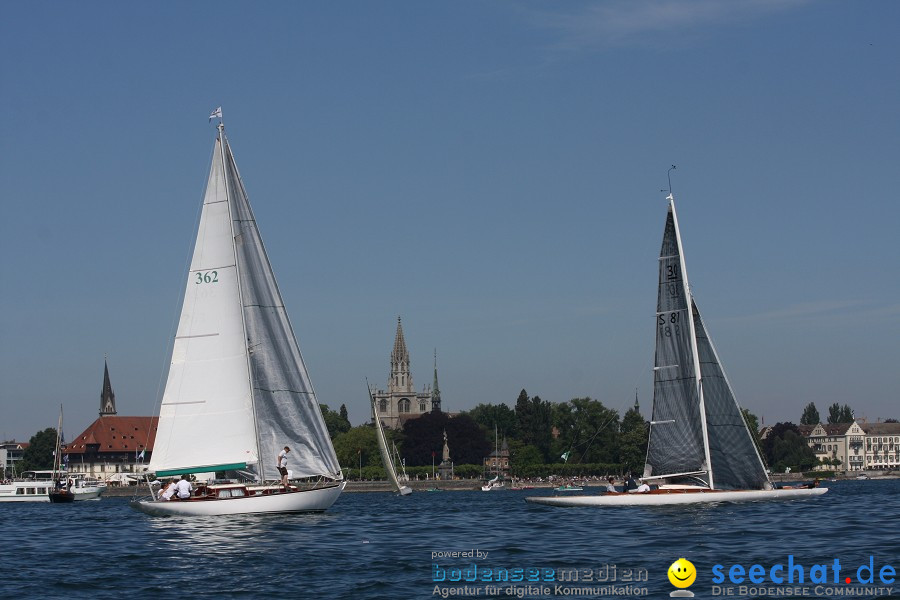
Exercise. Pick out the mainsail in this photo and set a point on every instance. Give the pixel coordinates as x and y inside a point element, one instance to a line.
<point>697,428</point>
<point>386,458</point>
<point>238,389</point>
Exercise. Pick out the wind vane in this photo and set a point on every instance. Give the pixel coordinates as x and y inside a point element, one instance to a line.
<point>669,175</point>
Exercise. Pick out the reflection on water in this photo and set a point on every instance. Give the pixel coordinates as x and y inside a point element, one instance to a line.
<point>381,545</point>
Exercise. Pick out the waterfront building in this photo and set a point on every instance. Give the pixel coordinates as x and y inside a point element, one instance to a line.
<point>497,462</point>
<point>10,454</point>
<point>840,441</point>
<point>400,402</point>
<point>112,447</point>
<point>858,445</point>
<point>882,445</point>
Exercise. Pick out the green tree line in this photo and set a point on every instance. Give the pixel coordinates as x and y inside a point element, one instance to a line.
<point>581,436</point>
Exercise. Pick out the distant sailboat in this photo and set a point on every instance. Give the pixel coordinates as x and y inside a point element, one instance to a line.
<point>700,448</point>
<point>386,458</point>
<point>238,389</point>
<point>62,491</point>
<point>495,485</point>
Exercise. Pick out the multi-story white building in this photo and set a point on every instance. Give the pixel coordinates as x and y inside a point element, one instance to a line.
<point>10,454</point>
<point>858,445</point>
<point>882,445</point>
<point>840,441</point>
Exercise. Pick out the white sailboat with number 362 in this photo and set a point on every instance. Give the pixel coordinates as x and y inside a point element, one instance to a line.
<point>238,390</point>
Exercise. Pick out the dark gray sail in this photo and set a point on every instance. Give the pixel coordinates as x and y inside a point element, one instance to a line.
<point>676,435</point>
<point>732,452</point>
<point>286,410</point>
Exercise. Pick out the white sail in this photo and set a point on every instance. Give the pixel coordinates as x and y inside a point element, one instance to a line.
<point>386,459</point>
<point>206,416</point>
<point>237,390</point>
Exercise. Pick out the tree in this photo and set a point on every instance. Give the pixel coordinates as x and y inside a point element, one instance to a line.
<point>633,420</point>
<point>355,444</point>
<point>425,435</point>
<point>587,429</point>
<point>840,414</point>
<point>499,415</point>
<point>534,416</point>
<point>785,447</point>
<point>39,453</point>
<point>523,455</point>
<point>752,424</point>
<point>335,422</point>
<point>810,415</point>
<point>343,412</point>
<point>633,438</point>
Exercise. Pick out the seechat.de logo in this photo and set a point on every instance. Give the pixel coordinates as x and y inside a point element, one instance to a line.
<point>682,574</point>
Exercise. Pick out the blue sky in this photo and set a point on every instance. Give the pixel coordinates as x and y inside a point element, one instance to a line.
<point>490,171</point>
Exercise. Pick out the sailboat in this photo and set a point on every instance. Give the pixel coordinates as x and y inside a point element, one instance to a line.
<point>494,485</point>
<point>700,447</point>
<point>386,458</point>
<point>238,390</point>
<point>61,492</point>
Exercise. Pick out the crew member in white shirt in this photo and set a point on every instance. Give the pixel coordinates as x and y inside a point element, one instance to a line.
<point>184,488</point>
<point>282,466</point>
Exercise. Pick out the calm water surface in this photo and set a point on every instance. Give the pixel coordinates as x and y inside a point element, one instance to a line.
<point>381,545</point>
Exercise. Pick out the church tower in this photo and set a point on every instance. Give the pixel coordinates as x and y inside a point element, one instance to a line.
<point>435,390</point>
<point>107,397</point>
<point>400,381</point>
<point>401,401</point>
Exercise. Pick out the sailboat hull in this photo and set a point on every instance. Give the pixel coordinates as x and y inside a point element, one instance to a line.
<point>664,498</point>
<point>316,500</point>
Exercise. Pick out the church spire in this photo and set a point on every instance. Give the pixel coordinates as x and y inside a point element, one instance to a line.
<point>435,390</point>
<point>401,378</point>
<point>107,397</point>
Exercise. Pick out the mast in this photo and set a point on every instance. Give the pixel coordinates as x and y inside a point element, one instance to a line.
<point>56,452</point>
<point>695,354</point>
<point>237,267</point>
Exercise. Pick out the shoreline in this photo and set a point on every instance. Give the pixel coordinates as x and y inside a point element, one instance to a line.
<point>457,485</point>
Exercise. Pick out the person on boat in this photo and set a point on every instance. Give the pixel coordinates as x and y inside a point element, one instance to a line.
<point>611,487</point>
<point>282,466</point>
<point>642,488</point>
<point>169,491</point>
<point>184,488</point>
<point>630,483</point>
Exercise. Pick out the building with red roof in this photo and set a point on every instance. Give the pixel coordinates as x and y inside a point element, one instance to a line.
<point>112,447</point>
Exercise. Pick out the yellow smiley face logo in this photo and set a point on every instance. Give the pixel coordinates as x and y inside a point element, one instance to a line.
<point>682,573</point>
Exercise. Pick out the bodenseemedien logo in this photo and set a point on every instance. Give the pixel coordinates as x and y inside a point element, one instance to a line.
<point>682,574</point>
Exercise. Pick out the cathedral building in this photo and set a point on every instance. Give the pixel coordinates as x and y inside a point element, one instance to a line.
<point>400,402</point>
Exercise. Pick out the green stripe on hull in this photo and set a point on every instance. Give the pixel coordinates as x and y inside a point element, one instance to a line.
<point>204,469</point>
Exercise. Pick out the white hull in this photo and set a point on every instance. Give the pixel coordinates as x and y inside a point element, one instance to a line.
<point>38,493</point>
<point>497,487</point>
<point>88,493</point>
<point>664,499</point>
<point>405,490</point>
<point>316,500</point>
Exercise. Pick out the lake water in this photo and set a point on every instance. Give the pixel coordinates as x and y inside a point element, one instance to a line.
<point>379,545</point>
